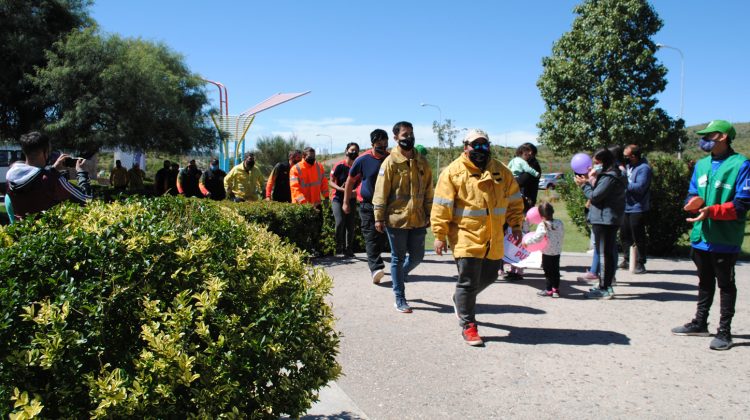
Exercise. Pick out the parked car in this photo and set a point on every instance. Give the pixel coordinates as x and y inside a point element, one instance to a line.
<point>551,180</point>
<point>8,155</point>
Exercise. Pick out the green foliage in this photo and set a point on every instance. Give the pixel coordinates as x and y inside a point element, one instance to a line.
<point>600,82</point>
<point>271,150</point>
<point>112,91</point>
<point>575,203</point>
<point>159,308</point>
<point>301,225</point>
<point>28,29</point>
<point>666,222</point>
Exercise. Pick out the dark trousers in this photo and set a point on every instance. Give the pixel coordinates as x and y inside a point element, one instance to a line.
<point>474,275</point>
<point>713,268</point>
<point>374,240</point>
<point>634,231</point>
<point>605,240</point>
<point>551,267</point>
<point>344,226</point>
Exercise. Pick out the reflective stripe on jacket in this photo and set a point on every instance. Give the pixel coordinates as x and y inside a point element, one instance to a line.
<point>403,191</point>
<point>308,182</point>
<point>471,207</point>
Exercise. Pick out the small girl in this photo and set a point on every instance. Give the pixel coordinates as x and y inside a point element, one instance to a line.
<point>553,229</point>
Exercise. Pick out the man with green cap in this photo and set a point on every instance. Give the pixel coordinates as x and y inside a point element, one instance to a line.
<point>719,193</point>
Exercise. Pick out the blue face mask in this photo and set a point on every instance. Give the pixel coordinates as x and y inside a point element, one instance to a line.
<point>598,168</point>
<point>706,145</point>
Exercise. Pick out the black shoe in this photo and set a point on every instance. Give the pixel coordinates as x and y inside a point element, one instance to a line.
<point>513,277</point>
<point>624,264</point>
<point>349,254</point>
<point>693,328</point>
<point>640,269</point>
<point>722,340</point>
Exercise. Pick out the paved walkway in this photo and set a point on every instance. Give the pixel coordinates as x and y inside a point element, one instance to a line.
<point>544,358</point>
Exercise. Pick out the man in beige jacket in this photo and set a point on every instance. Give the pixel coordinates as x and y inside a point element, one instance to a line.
<point>402,204</point>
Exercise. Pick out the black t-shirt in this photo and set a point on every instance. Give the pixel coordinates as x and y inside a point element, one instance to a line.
<point>339,173</point>
<point>281,191</point>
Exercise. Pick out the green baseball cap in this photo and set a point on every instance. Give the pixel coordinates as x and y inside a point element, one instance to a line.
<point>719,126</point>
<point>421,149</point>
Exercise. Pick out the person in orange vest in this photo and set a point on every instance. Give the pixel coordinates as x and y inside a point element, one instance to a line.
<point>307,180</point>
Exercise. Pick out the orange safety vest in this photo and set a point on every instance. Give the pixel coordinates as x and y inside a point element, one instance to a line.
<point>308,182</point>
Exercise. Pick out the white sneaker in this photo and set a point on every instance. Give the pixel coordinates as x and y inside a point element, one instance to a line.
<point>377,275</point>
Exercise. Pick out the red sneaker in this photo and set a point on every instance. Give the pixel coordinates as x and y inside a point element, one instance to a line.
<point>471,336</point>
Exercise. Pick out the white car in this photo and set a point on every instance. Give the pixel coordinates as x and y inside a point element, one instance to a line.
<point>8,155</point>
<point>551,180</point>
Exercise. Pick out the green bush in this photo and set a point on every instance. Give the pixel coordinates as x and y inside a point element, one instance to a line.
<point>300,225</point>
<point>575,203</point>
<point>159,308</point>
<point>666,222</point>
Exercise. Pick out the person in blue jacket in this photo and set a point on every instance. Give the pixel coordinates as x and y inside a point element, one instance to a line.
<point>637,205</point>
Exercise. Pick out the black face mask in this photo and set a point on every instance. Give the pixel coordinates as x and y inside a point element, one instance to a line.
<point>380,150</point>
<point>310,160</point>
<point>352,155</point>
<point>407,143</point>
<point>479,158</point>
<point>249,164</point>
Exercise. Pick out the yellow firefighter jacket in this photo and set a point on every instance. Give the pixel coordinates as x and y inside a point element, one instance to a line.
<point>403,191</point>
<point>471,207</point>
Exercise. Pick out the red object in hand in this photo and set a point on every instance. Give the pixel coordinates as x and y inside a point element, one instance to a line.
<point>694,204</point>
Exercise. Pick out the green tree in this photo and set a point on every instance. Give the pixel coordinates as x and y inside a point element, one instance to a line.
<point>274,149</point>
<point>28,28</point>
<point>114,91</point>
<point>446,134</point>
<point>600,81</point>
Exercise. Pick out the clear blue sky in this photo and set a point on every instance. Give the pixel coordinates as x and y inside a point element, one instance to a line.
<point>371,64</point>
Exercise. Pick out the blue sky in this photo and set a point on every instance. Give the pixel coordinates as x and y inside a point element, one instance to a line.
<point>371,64</point>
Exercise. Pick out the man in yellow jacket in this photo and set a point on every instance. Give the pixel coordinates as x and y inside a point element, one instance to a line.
<point>402,204</point>
<point>307,180</point>
<point>244,182</point>
<point>475,196</point>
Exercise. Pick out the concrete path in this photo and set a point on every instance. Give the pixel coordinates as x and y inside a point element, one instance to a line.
<point>544,357</point>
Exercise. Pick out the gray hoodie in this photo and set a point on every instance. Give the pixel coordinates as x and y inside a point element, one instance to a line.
<point>607,198</point>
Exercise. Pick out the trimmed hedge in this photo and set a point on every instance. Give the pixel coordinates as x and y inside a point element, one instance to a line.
<point>159,308</point>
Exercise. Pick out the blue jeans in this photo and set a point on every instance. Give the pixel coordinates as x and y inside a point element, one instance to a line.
<point>403,241</point>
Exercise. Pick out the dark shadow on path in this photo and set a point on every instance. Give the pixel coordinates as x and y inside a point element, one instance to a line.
<point>344,415</point>
<point>416,278</point>
<point>691,273</point>
<point>482,308</point>
<point>659,296</point>
<point>534,336</point>
<point>664,285</point>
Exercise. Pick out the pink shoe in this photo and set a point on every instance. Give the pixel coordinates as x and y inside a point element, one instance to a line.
<point>588,277</point>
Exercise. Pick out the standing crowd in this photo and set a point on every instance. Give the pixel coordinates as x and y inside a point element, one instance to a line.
<point>477,204</point>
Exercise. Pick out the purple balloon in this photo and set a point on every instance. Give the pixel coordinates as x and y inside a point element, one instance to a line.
<point>581,163</point>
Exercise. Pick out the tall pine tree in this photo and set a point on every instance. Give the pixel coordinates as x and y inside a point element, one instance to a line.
<point>600,81</point>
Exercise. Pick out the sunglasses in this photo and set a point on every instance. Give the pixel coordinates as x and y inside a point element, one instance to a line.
<point>480,146</point>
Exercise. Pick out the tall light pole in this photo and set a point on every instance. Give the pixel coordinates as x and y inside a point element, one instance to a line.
<point>330,151</point>
<point>440,131</point>
<point>682,88</point>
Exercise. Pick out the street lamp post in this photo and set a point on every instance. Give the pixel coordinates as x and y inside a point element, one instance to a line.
<point>440,131</point>
<point>330,151</point>
<point>682,88</point>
